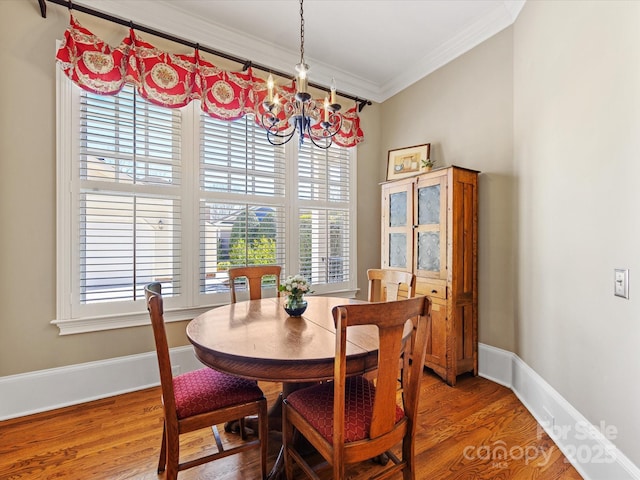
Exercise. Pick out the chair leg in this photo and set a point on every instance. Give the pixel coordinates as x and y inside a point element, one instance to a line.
<point>338,469</point>
<point>173,454</point>
<point>162,462</point>
<point>408,457</point>
<point>287,439</point>
<point>263,433</point>
<point>243,432</point>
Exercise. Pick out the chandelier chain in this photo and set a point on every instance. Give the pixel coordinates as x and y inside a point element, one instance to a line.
<point>301,33</point>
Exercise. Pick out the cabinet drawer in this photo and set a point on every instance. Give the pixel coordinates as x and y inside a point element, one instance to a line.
<point>431,288</point>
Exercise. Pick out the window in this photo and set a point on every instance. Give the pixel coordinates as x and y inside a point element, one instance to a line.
<point>147,194</point>
<point>128,198</point>
<point>323,213</point>
<point>242,200</point>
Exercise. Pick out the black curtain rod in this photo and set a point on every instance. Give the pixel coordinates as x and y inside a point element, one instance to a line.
<point>128,23</point>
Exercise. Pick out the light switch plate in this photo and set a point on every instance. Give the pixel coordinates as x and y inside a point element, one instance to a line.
<point>621,283</point>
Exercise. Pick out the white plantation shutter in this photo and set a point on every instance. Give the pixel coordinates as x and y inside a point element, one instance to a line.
<point>237,159</point>
<point>324,193</point>
<point>125,139</point>
<point>242,204</point>
<point>324,175</point>
<point>324,245</point>
<point>128,204</point>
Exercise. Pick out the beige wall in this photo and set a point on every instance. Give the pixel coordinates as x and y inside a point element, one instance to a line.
<point>465,111</point>
<point>371,166</point>
<point>577,157</point>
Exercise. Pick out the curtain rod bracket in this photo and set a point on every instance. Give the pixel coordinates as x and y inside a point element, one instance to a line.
<point>247,65</point>
<point>362,104</point>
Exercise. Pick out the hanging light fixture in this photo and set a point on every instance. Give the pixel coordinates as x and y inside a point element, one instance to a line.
<point>300,113</point>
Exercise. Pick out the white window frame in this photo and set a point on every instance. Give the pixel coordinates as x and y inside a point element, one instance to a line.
<point>190,302</point>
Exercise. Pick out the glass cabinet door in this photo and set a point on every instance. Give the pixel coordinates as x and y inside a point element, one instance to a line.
<point>430,227</point>
<point>397,231</point>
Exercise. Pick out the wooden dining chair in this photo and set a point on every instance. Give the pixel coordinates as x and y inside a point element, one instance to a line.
<point>199,399</point>
<point>254,278</point>
<point>352,419</point>
<point>387,285</point>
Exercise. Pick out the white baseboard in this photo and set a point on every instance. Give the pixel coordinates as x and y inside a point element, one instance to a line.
<point>586,446</point>
<point>44,390</point>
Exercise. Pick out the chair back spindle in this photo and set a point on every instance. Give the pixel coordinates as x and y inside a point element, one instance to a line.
<point>389,285</point>
<point>254,276</point>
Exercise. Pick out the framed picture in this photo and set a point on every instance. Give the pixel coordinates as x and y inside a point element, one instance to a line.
<point>405,162</point>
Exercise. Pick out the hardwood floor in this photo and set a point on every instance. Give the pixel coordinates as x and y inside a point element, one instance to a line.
<point>476,430</point>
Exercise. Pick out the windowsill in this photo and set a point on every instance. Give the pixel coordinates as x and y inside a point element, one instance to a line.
<point>97,324</point>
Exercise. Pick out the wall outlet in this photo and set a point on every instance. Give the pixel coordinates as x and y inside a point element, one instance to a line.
<point>621,283</point>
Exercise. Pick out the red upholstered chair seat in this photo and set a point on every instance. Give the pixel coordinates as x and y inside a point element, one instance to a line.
<point>316,405</point>
<point>206,390</point>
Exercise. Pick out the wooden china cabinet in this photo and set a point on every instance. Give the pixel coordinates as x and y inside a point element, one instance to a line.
<point>430,228</point>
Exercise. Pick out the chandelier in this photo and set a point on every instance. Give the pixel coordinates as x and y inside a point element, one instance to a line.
<point>300,113</point>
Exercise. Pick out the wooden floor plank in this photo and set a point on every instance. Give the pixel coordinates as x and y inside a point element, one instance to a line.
<point>476,430</point>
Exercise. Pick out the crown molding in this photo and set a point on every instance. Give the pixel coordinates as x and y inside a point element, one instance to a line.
<point>169,17</point>
<point>481,30</point>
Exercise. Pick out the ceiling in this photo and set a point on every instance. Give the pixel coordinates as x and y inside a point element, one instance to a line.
<point>373,48</point>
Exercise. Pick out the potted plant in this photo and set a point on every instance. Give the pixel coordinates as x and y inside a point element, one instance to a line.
<point>427,164</point>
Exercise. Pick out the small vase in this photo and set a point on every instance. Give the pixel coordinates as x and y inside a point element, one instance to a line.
<point>295,306</point>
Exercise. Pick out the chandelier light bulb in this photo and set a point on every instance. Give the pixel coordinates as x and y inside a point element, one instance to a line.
<point>303,70</point>
<point>326,109</point>
<point>270,85</point>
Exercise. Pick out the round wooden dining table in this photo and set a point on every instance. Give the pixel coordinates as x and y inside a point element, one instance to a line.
<point>257,339</point>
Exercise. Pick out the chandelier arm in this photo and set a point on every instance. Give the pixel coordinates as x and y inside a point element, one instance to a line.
<point>328,141</point>
<point>327,133</point>
<point>272,130</point>
<point>285,138</point>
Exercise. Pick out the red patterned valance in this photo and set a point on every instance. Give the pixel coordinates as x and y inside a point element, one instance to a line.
<point>173,80</point>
